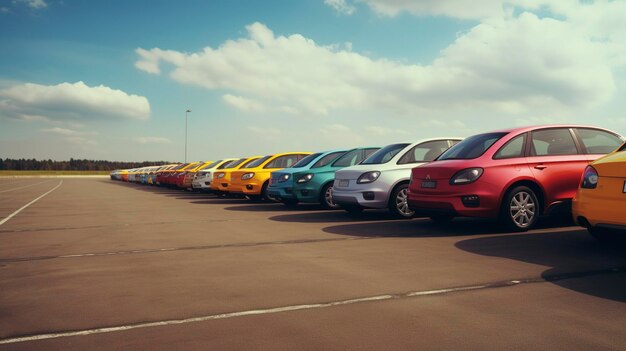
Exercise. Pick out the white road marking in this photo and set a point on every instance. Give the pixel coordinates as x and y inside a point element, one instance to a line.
<point>23,187</point>
<point>253,312</point>
<point>28,204</point>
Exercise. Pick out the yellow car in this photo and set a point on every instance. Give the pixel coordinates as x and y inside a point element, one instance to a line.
<point>221,179</point>
<point>253,179</point>
<point>600,203</point>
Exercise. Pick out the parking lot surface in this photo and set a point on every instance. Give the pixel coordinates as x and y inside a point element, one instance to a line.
<point>94,264</point>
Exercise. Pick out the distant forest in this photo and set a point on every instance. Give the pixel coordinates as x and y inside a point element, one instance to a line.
<point>71,165</point>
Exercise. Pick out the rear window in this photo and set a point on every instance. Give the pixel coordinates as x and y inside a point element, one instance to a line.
<point>424,152</point>
<point>552,142</point>
<point>326,160</point>
<point>598,141</point>
<point>257,162</point>
<point>305,161</point>
<point>471,147</point>
<point>385,154</point>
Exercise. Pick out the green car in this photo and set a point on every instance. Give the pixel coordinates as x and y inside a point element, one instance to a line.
<point>311,179</point>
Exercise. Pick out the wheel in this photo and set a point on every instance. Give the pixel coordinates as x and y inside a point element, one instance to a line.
<point>326,197</point>
<point>265,195</point>
<point>398,202</point>
<point>520,209</point>
<point>442,218</point>
<point>289,202</point>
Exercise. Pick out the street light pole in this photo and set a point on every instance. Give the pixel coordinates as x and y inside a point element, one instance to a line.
<point>186,112</point>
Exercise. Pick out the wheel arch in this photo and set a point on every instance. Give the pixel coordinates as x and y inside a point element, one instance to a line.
<point>539,192</point>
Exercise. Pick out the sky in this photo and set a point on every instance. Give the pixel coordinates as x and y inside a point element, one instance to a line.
<point>113,79</point>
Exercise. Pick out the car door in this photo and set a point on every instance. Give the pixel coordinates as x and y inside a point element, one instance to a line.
<point>556,162</point>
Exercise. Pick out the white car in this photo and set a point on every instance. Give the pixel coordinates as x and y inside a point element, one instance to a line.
<point>382,180</point>
<point>204,176</point>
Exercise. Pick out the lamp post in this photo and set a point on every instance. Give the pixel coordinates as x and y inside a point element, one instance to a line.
<point>186,112</point>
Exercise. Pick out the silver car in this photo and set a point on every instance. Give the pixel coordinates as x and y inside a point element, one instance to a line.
<point>382,180</point>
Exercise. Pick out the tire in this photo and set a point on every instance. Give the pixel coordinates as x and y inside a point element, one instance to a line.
<point>398,202</point>
<point>520,209</point>
<point>442,218</point>
<point>326,197</point>
<point>264,193</point>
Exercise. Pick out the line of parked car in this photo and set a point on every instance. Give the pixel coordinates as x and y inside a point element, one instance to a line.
<point>514,175</point>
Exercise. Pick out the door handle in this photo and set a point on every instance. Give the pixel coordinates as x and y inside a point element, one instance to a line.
<point>541,167</point>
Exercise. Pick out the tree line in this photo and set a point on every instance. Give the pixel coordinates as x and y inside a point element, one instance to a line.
<point>23,164</point>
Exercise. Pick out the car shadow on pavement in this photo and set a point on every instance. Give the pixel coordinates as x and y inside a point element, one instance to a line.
<point>336,216</point>
<point>273,207</point>
<point>578,262</point>
<point>424,227</point>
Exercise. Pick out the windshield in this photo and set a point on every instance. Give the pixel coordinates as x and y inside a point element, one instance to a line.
<point>305,161</point>
<point>327,159</point>
<point>210,165</point>
<point>257,163</point>
<point>385,154</point>
<point>471,147</point>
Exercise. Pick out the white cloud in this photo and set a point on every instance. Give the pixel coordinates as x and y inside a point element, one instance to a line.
<point>152,140</point>
<point>67,132</point>
<point>510,65</point>
<point>451,8</point>
<point>341,6</point>
<point>244,104</point>
<point>67,101</point>
<point>34,4</point>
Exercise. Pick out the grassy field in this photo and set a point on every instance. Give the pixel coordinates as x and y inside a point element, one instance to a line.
<point>51,173</point>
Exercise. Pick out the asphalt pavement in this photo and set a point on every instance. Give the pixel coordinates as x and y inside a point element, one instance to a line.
<point>95,264</point>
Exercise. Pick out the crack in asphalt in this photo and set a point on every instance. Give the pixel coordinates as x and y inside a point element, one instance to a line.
<point>183,248</point>
<point>319,305</point>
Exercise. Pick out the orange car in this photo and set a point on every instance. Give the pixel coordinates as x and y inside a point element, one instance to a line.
<point>253,179</point>
<point>221,180</point>
<point>600,203</point>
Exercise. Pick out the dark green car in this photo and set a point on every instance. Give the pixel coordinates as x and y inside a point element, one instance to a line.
<point>311,181</point>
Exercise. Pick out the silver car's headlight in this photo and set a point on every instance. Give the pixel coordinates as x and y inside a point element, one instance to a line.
<point>368,177</point>
<point>305,178</point>
<point>247,176</point>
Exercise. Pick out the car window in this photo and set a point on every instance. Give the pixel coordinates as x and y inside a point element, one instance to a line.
<point>305,161</point>
<point>623,148</point>
<point>512,148</point>
<point>348,159</point>
<point>367,153</point>
<point>385,154</point>
<point>552,142</point>
<point>328,159</point>
<point>284,161</point>
<point>210,165</point>
<point>236,163</point>
<point>598,141</point>
<point>226,164</point>
<point>471,147</point>
<point>424,152</point>
<point>257,162</point>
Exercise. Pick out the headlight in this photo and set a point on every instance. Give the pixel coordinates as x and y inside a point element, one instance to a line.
<point>466,176</point>
<point>247,176</point>
<point>590,178</point>
<point>305,178</point>
<point>220,175</point>
<point>368,177</point>
<point>283,178</point>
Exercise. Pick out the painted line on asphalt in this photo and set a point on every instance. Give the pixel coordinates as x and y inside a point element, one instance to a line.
<point>282,309</point>
<point>28,204</point>
<point>185,248</point>
<point>24,187</point>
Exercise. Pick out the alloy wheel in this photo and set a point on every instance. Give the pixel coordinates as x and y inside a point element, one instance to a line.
<point>522,209</point>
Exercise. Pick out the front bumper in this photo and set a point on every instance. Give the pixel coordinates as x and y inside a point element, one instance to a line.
<point>428,204</point>
<point>368,198</point>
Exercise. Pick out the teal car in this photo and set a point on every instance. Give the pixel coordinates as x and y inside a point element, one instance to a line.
<point>311,179</point>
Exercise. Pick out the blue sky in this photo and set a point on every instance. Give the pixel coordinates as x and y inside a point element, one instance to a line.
<point>112,79</point>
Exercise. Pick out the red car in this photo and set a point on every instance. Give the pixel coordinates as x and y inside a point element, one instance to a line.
<point>514,174</point>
